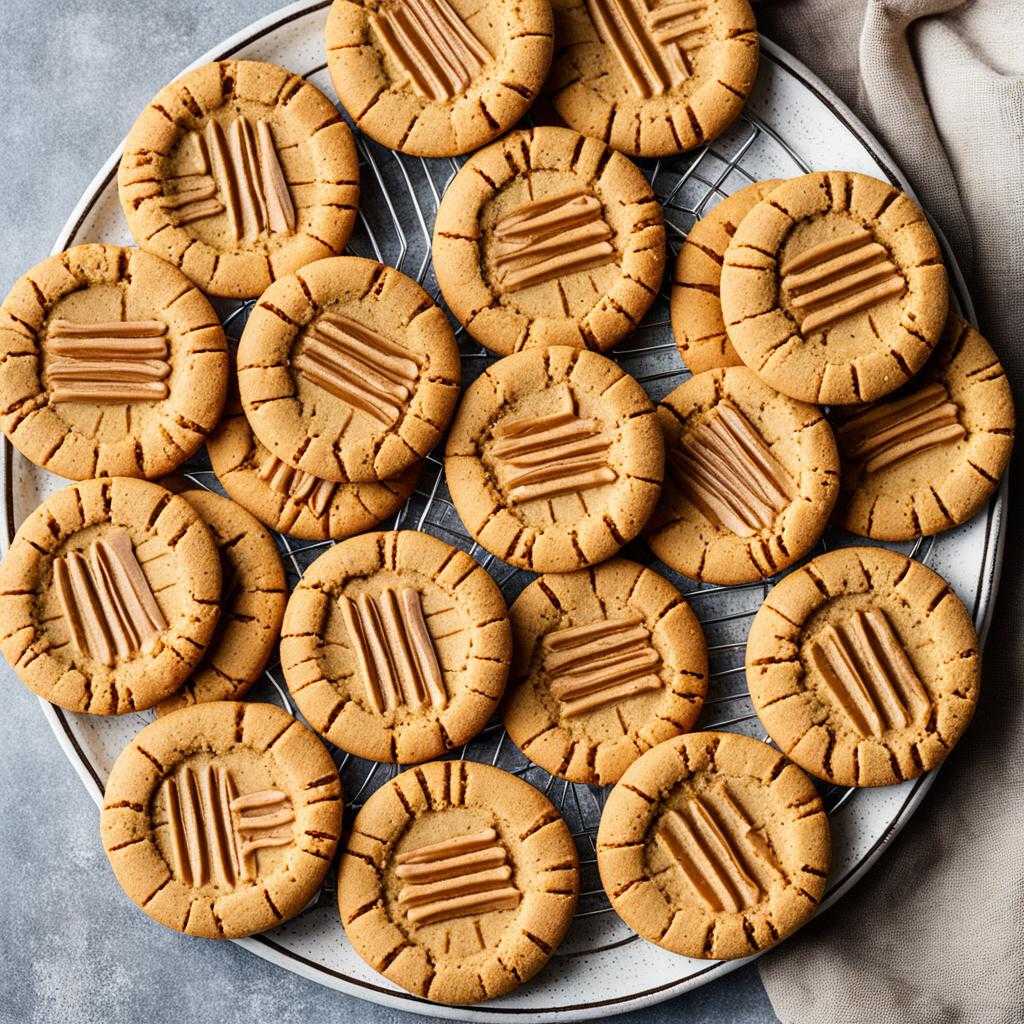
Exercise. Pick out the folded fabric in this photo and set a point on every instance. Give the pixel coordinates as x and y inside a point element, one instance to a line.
<point>935,932</point>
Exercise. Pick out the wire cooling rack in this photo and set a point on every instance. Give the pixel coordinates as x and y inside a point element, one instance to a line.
<point>601,967</point>
<point>399,202</point>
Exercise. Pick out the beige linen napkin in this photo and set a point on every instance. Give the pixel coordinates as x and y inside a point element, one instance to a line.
<point>934,934</point>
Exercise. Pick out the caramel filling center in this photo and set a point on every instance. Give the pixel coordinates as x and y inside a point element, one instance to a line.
<point>589,667</point>
<point>547,239</point>
<point>889,432</point>
<point>838,278</point>
<point>653,47</point>
<point>867,673</point>
<point>106,600</point>
<point>393,649</point>
<point>462,877</point>
<point>728,471</point>
<point>111,363</point>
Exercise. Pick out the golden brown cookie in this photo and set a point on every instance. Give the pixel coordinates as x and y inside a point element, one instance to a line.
<point>549,238</point>
<point>291,501</point>
<point>221,820</point>
<point>714,846</point>
<point>438,77</point>
<point>114,364</point>
<point>608,662</point>
<point>396,646</point>
<point>239,173</point>
<point>555,459</point>
<point>752,478</point>
<point>833,288</point>
<point>652,79</point>
<point>109,596</point>
<point>864,667</point>
<point>458,882</point>
<point>252,603</point>
<point>927,459</point>
<point>348,371</point>
<point>696,309</point>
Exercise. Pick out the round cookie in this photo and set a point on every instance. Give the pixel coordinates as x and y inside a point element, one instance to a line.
<point>221,820</point>
<point>864,667</point>
<point>714,846</point>
<point>695,306</point>
<point>752,478</point>
<point>608,662</point>
<point>929,458</point>
<point>652,82</point>
<point>438,77</point>
<point>240,172</point>
<point>459,881</point>
<point>549,238</point>
<point>396,646</point>
<point>115,365</point>
<point>348,371</point>
<point>253,600</point>
<point>833,288</point>
<point>555,459</point>
<point>109,596</point>
<point>293,502</point>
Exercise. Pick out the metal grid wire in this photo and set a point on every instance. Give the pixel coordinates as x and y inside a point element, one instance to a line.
<point>400,198</point>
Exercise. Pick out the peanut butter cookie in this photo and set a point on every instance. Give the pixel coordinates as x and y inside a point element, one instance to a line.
<point>109,596</point>
<point>459,881</point>
<point>696,308</point>
<point>555,459</point>
<point>239,173</point>
<point>752,478</point>
<point>348,371</point>
<point>864,667</point>
<point>252,602</point>
<point>929,458</point>
<point>608,662</point>
<point>714,846</point>
<point>114,364</point>
<point>652,79</point>
<point>549,238</point>
<point>438,77</point>
<point>833,288</point>
<point>396,646</point>
<point>291,501</point>
<point>221,820</point>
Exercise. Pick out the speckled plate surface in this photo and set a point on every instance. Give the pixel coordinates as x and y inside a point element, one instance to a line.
<point>792,124</point>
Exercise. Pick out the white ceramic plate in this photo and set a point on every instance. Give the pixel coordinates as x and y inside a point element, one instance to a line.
<point>792,124</point>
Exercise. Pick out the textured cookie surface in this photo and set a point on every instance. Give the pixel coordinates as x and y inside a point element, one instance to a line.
<point>252,604</point>
<point>239,173</point>
<point>608,662</point>
<point>714,846</point>
<point>864,667</point>
<point>927,459</point>
<point>396,646</point>
<point>109,595</point>
<point>752,477</point>
<point>458,882</point>
<point>114,364</point>
<point>549,238</point>
<point>833,288</point>
<point>652,79</point>
<point>221,820</point>
<point>438,77</point>
<point>696,308</point>
<point>555,459</point>
<point>348,371</point>
<point>293,502</point>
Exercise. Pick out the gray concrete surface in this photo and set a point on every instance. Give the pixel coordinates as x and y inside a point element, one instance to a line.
<point>73,75</point>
